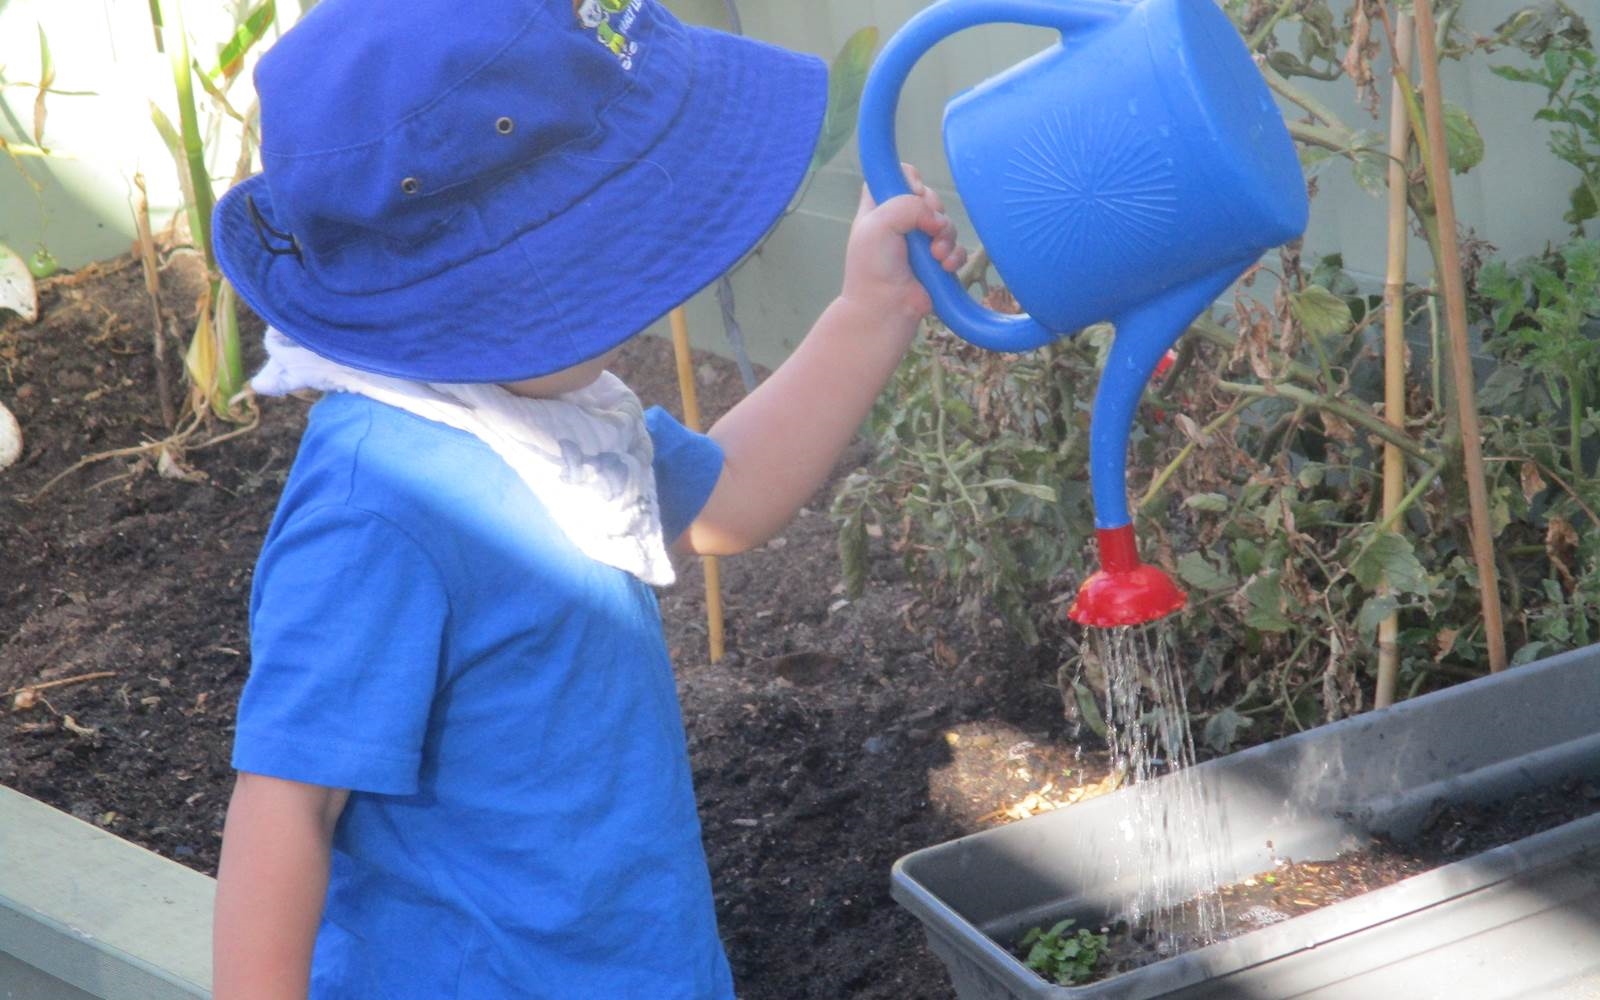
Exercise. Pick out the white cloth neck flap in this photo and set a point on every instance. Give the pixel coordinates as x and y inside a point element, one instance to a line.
<point>586,455</point>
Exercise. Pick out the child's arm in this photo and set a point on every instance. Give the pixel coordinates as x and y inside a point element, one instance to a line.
<point>781,441</point>
<point>270,887</point>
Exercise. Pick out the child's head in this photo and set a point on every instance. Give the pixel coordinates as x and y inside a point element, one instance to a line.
<point>494,190</point>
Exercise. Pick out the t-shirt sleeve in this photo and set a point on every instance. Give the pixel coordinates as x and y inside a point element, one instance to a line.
<point>347,627</point>
<point>687,466</point>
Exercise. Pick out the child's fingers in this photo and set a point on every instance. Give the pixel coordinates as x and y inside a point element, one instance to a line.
<point>908,213</point>
<point>913,178</point>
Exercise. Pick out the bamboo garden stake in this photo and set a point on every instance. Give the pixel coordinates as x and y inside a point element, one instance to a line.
<point>1394,328</point>
<point>1456,318</point>
<point>691,417</point>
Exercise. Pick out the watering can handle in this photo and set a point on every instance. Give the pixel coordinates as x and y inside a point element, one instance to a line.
<point>880,159</point>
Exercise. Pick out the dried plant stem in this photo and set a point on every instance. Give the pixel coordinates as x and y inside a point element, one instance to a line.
<point>1345,411</point>
<point>1394,344</point>
<point>99,675</point>
<point>152,285</point>
<point>1159,483</point>
<point>178,440</point>
<point>1460,357</point>
<point>691,417</point>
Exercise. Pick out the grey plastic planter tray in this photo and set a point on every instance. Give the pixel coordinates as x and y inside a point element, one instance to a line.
<point>1522,920</point>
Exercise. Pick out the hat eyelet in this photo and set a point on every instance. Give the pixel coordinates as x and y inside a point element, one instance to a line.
<point>410,185</point>
<point>504,125</point>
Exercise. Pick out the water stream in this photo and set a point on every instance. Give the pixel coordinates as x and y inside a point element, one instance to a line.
<point>1174,889</point>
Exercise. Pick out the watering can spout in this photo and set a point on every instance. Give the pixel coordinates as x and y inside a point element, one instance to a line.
<point>1126,591</point>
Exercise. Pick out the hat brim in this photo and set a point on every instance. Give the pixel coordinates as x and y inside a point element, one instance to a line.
<point>596,274</point>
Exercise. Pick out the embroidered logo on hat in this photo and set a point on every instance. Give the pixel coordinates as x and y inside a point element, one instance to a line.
<point>611,20</point>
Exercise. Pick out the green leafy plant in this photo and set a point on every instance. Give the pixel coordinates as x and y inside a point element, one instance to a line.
<point>979,481</point>
<point>1254,465</point>
<point>1570,77</point>
<point>1546,318</point>
<point>1061,955</point>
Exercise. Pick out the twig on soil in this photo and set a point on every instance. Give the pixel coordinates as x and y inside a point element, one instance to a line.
<point>177,440</point>
<point>62,682</point>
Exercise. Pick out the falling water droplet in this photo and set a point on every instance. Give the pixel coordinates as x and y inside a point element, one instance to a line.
<point>1147,726</point>
<point>1133,106</point>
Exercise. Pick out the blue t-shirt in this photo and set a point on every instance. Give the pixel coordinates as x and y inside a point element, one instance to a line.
<point>521,821</point>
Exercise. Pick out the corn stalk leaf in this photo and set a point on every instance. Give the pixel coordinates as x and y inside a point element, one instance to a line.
<point>174,142</point>
<point>47,76</point>
<point>231,59</point>
<point>845,82</point>
<point>200,360</point>
<point>18,292</point>
<point>230,363</point>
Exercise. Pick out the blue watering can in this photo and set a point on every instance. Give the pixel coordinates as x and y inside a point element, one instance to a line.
<point>1129,174</point>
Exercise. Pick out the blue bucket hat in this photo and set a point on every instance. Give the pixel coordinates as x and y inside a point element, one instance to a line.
<point>492,190</point>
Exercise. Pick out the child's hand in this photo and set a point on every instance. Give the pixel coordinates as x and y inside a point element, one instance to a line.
<point>877,275</point>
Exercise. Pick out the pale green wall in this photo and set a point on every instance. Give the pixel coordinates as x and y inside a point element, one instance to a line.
<point>105,50</point>
<point>1514,199</point>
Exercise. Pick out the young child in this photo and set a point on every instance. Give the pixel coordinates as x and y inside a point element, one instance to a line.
<point>462,770</point>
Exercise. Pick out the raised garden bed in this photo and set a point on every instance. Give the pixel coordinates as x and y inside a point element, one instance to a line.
<point>1519,920</point>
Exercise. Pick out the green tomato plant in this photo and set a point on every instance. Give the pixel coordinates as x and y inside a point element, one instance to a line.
<point>1254,465</point>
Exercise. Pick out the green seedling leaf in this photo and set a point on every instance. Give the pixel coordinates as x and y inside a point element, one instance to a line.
<point>231,59</point>
<point>1197,571</point>
<point>845,81</point>
<point>1462,139</point>
<point>1322,313</point>
<point>18,293</point>
<point>1392,559</point>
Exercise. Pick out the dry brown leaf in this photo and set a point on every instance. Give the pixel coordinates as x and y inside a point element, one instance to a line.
<point>1561,543</point>
<point>1560,538</point>
<point>1338,428</point>
<point>171,466</point>
<point>24,700</point>
<point>1533,484</point>
<point>1357,60</point>
<point>1191,430</point>
<point>1445,641</point>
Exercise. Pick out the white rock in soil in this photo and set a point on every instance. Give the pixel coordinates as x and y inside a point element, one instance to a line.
<point>10,438</point>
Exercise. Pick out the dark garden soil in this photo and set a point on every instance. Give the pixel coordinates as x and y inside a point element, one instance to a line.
<point>832,738</point>
<point>835,736</point>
